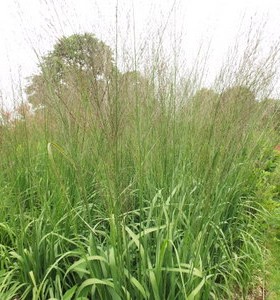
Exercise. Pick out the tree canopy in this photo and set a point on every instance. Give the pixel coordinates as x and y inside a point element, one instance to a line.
<point>83,53</point>
<point>80,59</point>
<point>241,95</point>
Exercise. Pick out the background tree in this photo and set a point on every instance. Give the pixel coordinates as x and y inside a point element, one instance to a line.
<point>79,84</point>
<point>238,97</point>
<point>76,83</point>
<point>79,63</point>
<point>271,112</point>
<point>204,97</point>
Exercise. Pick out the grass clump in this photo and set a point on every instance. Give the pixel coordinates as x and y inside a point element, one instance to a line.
<point>125,185</point>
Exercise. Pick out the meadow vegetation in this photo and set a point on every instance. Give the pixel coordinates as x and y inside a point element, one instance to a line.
<point>138,184</point>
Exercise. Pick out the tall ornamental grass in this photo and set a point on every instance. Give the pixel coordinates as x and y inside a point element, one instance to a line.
<point>145,193</point>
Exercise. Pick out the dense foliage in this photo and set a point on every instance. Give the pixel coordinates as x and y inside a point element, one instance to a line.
<point>114,191</point>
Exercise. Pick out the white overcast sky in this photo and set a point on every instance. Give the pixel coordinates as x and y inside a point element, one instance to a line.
<point>31,27</point>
